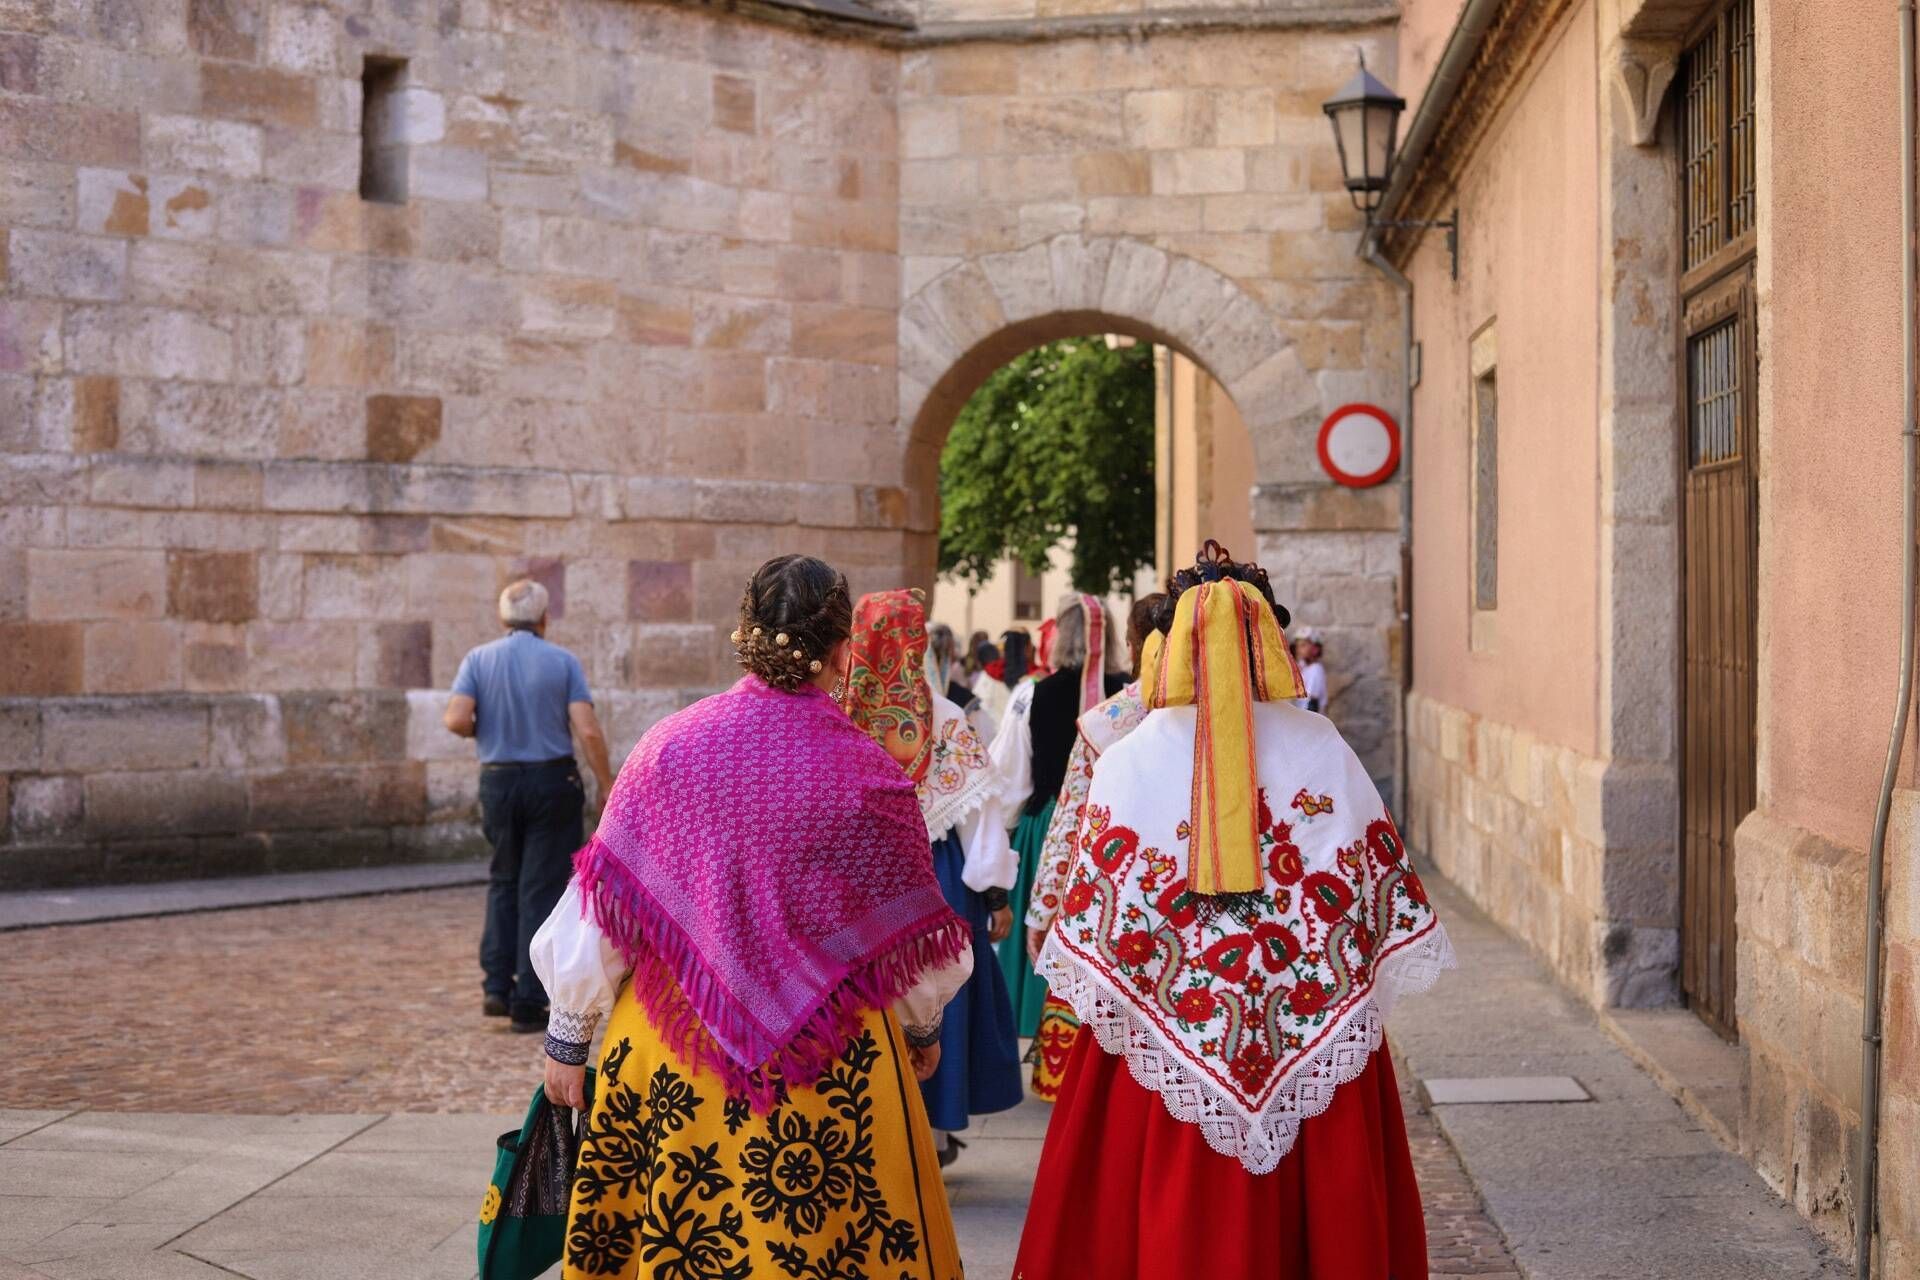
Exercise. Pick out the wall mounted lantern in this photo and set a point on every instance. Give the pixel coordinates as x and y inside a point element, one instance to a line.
<point>1365,115</point>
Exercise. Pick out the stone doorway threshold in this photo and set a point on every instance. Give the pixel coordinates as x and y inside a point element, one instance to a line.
<point>1683,1055</point>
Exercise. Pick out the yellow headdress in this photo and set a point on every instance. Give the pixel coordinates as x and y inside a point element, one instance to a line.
<point>1224,652</point>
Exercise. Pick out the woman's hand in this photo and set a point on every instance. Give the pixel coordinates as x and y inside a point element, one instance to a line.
<point>1036,938</point>
<point>926,1060</point>
<point>566,1086</point>
<point>1000,924</point>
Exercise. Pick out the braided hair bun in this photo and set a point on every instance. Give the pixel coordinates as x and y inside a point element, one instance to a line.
<point>1213,564</point>
<point>794,610</point>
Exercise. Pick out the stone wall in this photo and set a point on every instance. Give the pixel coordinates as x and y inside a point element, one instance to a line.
<point>272,448</point>
<point>1180,187</point>
<point>622,310</point>
<point>1555,845</point>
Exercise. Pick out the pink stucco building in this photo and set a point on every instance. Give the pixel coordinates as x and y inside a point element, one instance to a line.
<point>1656,530</point>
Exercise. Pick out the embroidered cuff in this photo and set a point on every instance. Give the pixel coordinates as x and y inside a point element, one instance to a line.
<point>569,1036</point>
<point>995,898</point>
<point>924,1037</point>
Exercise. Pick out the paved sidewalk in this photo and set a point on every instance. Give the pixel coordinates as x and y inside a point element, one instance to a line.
<point>255,1083</point>
<point>1628,1185</point>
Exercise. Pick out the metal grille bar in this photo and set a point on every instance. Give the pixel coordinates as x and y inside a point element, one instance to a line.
<point>1713,379</point>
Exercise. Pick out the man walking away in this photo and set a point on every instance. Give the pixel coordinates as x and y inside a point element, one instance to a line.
<point>525,700</point>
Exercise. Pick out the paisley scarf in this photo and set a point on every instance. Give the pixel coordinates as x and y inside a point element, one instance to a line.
<point>1244,1011</point>
<point>762,865</point>
<point>1093,668</point>
<point>886,677</point>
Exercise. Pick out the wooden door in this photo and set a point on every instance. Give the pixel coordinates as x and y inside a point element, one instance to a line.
<point>1719,683</point>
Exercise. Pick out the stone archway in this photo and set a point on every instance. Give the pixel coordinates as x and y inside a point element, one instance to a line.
<point>1333,553</point>
<point>976,316</point>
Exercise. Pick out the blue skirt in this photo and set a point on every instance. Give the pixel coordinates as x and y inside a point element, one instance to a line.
<point>979,1055</point>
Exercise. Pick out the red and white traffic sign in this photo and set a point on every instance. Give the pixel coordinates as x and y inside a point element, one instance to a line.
<point>1359,445</point>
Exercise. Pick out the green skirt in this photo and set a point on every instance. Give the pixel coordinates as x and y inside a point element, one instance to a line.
<point>1028,989</point>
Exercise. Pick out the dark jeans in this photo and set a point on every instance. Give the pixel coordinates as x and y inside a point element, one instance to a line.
<point>531,815</point>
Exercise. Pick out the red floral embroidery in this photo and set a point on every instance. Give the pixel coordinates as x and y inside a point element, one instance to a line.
<point>1278,947</point>
<point>1308,999</point>
<point>1284,860</point>
<point>1228,957</point>
<point>1134,948</point>
<point>1329,895</point>
<point>1252,1067</point>
<point>1196,1004</point>
<point>1415,890</point>
<point>1079,898</point>
<point>1383,844</point>
<point>1112,847</point>
<point>1177,905</point>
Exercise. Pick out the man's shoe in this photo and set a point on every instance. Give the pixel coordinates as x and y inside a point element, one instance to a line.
<point>494,1007</point>
<point>529,1019</point>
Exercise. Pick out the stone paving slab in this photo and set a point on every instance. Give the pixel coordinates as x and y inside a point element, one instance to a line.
<point>1628,1185</point>
<point>41,907</point>
<point>1463,1089</point>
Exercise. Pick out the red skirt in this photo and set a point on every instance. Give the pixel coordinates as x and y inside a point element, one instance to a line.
<point>1126,1192</point>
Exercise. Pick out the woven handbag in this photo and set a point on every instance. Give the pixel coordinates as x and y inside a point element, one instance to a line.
<point>523,1216</point>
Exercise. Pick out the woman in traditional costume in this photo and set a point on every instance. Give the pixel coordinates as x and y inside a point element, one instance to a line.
<point>1095,731</point>
<point>945,676</point>
<point>1030,751</point>
<point>960,798</point>
<point>1240,913</point>
<point>759,924</point>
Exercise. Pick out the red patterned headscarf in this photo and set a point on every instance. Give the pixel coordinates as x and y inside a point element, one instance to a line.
<point>887,680</point>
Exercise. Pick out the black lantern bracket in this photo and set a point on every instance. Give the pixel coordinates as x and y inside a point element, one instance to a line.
<point>1449,224</point>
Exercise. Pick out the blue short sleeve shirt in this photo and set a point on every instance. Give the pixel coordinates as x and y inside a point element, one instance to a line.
<point>521,686</point>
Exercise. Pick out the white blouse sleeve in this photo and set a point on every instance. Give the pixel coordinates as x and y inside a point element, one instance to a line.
<point>989,861</point>
<point>923,1007</point>
<point>1012,756</point>
<point>582,973</point>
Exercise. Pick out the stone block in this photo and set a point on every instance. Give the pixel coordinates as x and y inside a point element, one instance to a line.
<point>1022,281</point>
<point>355,586</point>
<point>141,343</point>
<point>303,39</point>
<point>301,655</point>
<point>427,735</point>
<point>43,659</point>
<point>223,147</point>
<point>262,95</point>
<point>132,657</point>
<point>124,733</point>
<point>331,727</point>
<point>400,428</point>
<point>54,264</point>
<point>164,802</point>
<point>212,586</point>
<point>306,799</point>
<point>30,340</point>
<point>929,130</point>
<point>34,129</point>
<point>453,790</point>
<point>1280,508</point>
<point>37,195</point>
<point>72,585</point>
<point>47,808</point>
<point>1199,172</point>
<point>225,28</point>
<point>660,591</point>
<point>247,733</point>
<point>19,737</point>
<point>657,498</point>
<point>676,656</point>
<point>1059,124</point>
<point>396,655</point>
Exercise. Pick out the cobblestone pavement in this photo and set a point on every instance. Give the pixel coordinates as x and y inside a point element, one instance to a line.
<point>364,1005</point>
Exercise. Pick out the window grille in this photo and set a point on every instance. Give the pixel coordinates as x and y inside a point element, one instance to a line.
<point>1717,135</point>
<point>1714,383</point>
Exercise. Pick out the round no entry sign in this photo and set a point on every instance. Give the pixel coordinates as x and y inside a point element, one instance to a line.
<point>1359,445</point>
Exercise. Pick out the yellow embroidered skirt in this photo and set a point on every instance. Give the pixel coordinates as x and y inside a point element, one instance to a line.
<point>677,1181</point>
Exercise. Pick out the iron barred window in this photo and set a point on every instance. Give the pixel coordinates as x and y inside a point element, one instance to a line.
<point>1717,135</point>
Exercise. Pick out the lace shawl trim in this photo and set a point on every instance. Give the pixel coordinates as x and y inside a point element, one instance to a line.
<point>943,813</point>
<point>1258,1142</point>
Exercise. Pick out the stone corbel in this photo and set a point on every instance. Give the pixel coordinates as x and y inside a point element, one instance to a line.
<point>1641,75</point>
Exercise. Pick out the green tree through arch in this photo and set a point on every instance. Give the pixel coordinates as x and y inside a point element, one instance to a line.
<point>1056,444</point>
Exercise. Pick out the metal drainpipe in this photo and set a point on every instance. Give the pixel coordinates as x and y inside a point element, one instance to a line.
<point>1401,783</point>
<point>1866,1205</point>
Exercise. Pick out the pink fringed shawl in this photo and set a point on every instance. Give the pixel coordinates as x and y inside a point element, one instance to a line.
<point>763,865</point>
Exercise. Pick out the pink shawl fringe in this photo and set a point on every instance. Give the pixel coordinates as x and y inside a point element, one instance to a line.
<point>686,1003</point>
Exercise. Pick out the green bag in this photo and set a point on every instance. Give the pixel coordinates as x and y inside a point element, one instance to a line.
<point>523,1216</point>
